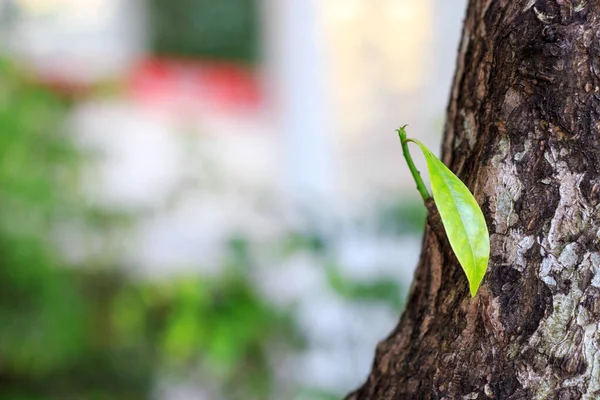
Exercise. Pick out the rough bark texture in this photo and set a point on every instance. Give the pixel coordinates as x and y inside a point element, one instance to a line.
<point>523,132</point>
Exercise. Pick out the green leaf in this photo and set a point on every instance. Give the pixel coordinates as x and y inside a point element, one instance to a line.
<point>462,219</point>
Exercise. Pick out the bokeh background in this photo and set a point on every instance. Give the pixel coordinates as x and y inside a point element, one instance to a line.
<point>206,199</point>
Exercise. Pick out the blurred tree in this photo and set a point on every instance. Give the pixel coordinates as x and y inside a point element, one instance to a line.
<point>50,316</point>
<point>522,132</point>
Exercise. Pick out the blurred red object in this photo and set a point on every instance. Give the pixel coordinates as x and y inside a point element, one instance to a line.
<point>193,85</point>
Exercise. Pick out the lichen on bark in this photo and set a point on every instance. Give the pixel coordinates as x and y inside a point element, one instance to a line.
<point>523,132</point>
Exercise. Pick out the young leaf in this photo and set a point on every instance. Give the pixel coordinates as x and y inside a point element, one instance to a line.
<point>462,219</point>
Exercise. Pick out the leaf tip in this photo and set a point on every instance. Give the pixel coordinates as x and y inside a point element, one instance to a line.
<point>473,288</point>
<point>475,282</point>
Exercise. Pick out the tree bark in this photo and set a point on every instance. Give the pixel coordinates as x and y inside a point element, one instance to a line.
<point>523,132</point>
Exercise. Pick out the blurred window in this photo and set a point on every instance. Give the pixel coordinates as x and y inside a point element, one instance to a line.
<point>224,29</point>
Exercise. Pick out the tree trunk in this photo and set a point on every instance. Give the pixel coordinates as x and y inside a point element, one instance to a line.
<point>523,132</point>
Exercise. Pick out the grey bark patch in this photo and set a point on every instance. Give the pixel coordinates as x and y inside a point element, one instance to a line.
<point>569,394</point>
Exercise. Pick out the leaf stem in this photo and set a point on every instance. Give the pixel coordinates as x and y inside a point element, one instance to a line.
<point>411,165</point>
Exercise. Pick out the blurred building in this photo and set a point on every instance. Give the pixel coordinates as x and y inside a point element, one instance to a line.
<point>325,81</point>
<point>252,117</point>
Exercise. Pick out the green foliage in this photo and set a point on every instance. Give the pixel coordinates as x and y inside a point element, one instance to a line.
<point>316,394</point>
<point>38,305</point>
<point>85,331</point>
<point>461,216</point>
<point>225,325</point>
<point>382,291</point>
<point>296,241</point>
<point>401,217</point>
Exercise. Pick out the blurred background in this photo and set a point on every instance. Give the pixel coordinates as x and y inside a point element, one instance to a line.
<point>206,199</point>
